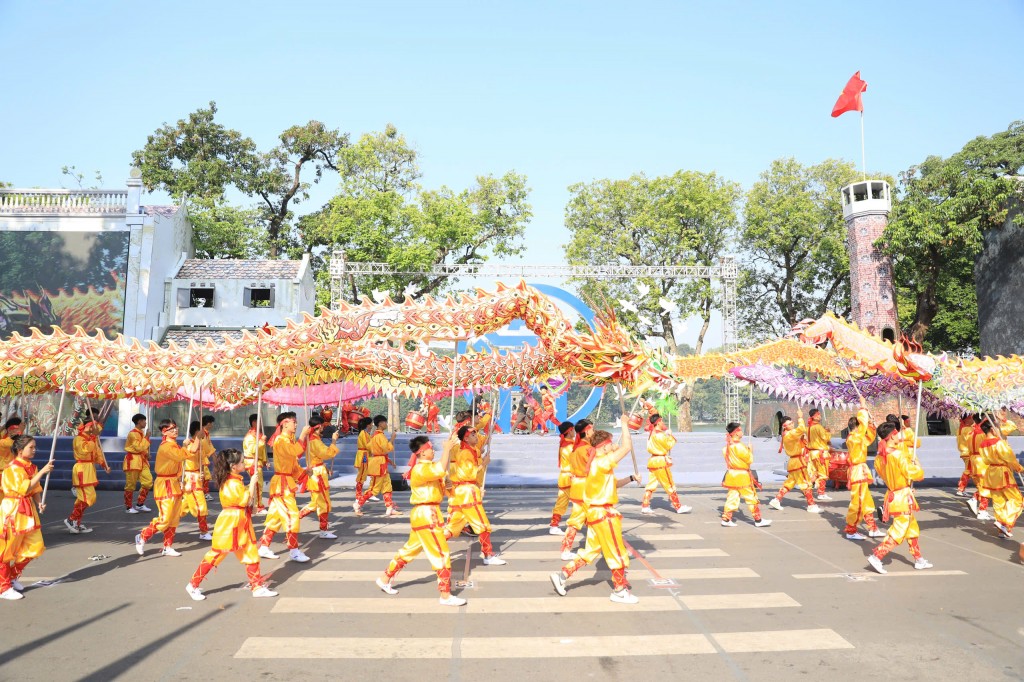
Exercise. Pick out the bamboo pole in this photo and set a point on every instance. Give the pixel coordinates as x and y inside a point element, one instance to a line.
<point>53,443</point>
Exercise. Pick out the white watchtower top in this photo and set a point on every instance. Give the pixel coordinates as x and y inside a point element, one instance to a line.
<point>866,198</point>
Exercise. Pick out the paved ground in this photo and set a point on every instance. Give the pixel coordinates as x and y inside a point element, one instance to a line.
<point>795,599</point>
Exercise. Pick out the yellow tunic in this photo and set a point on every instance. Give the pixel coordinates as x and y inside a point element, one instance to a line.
<point>316,454</point>
<point>659,445</point>
<point>254,453</point>
<point>1000,464</point>
<point>136,451</point>
<point>467,502</point>
<point>87,455</point>
<point>795,447</point>
<point>426,534</point>
<point>362,449</point>
<point>738,459</point>
<point>21,534</point>
<point>6,443</point>
<point>604,521</point>
<point>900,470</point>
<point>857,443</point>
<point>379,448</point>
<point>233,529</point>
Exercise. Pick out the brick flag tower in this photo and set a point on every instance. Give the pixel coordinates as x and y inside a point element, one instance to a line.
<point>866,207</point>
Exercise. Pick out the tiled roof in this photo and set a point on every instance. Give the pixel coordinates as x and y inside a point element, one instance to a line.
<point>165,211</point>
<point>196,268</point>
<point>182,335</point>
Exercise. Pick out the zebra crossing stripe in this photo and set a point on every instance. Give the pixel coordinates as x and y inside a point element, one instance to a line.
<point>872,574</point>
<point>513,554</point>
<point>486,575</point>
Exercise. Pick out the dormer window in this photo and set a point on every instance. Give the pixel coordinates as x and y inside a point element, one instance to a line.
<point>258,297</point>
<point>195,296</point>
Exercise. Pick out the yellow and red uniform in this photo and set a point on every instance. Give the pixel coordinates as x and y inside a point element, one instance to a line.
<point>167,490</point>
<point>432,411</point>
<point>1000,466</point>
<point>207,450</point>
<point>548,406</point>
<point>21,535</point>
<point>862,505</point>
<point>467,503</point>
<point>604,522</point>
<point>362,459</point>
<point>288,473</point>
<point>978,467</point>
<point>319,486</point>
<point>579,466</point>
<point>254,455</point>
<point>427,530</point>
<point>378,448</point>
<point>232,533</point>
<point>88,453</point>
<point>818,443</point>
<point>738,480</point>
<point>6,443</point>
<point>565,448</point>
<point>899,469</point>
<point>193,497</point>
<point>794,444</point>
<point>659,464</point>
<point>136,467</point>
<point>963,445</point>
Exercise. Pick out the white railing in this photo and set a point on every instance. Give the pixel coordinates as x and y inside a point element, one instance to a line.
<point>63,201</point>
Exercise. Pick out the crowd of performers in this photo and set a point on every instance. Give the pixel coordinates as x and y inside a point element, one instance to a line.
<point>587,460</point>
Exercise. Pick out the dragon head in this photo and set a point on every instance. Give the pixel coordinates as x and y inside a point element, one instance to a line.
<point>911,360</point>
<point>610,354</point>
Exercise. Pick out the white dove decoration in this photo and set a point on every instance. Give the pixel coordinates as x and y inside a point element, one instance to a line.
<point>628,305</point>
<point>410,291</point>
<point>380,296</point>
<point>643,289</point>
<point>667,305</point>
<point>646,321</point>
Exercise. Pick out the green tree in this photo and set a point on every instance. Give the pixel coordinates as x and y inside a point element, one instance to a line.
<point>382,214</point>
<point>793,247</point>
<point>200,160</point>
<point>935,233</point>
<point>683,219</point>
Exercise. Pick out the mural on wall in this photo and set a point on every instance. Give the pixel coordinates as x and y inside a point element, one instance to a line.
<point>62,279</point>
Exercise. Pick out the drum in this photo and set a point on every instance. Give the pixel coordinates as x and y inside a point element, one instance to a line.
<point>414,421</point>
<point>838,468</point>
<point>353,418</point>
<point>327,415</point>
<point>635,421</point>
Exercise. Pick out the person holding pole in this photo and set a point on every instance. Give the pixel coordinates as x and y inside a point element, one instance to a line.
<point>88,454</point>
<point>365,428</point>
<point>604,521</point>
<point>579,466</point>
<point>254,452</point>
<point>21,535</point>
<point>167,488</point>
<point>467,505</point>
<point>862,506</point>
<point>566,444</point>
<point>288,475</point>
<point>194,499</point>
<point>10,431</point>
<point>319,486</point>
<point>136,466</point>
<point>738,479</point>
<point>963,444</point>
<point>1000,466</point>
<point>379,447</point>
<point>207,452</point>
<point>659,464</point>
<point>818,442</point>
<point>794,444</point>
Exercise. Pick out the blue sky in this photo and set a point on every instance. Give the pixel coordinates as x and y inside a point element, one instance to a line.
<point>560,91</point>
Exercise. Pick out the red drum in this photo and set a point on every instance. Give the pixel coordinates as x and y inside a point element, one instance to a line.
<point>414,421</point>
<point>838,468</point>
<point>353,418</point>
<point>635,421</point>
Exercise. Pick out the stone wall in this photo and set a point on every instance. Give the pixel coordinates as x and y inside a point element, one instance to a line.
<point>999,282</point>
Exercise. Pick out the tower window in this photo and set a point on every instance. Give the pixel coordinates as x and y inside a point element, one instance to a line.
<point>888,334</point>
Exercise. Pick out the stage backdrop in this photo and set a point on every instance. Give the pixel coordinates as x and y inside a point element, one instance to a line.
<point>62,279</point>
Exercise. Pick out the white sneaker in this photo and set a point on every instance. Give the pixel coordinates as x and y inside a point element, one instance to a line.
<point>824,498</point>
<point>856,536</point>
<point>263,591</point>
<point>140,545</point>
<point>973,504</point>
<point>729,524</point>
<point>260,512</point>
<point>763,523</point>
<point>297,555</point>
<point>392,511</point>
<point>814,509</point>
<point>962,493</point>
<point>71,526</point>
<point>983,515</point>
<point>374,498</point>
<point>386,587</point>
<point>876,533</point>
<point>1003,530</point>
<point>452,600</point>
<point>568,555</point>
<point>357,508</point>
<point>206,536</point>
<point>775,504</point>
<point>195,592</point>
<point>265,552</point>
<point>558,580</point>
<point>624,597</point>
<point>555,530</point>
<point>170,551</point>
<point>83,529</point>
<point>131,510</point>
<point>327,535</point>
<point>646,511</point>
<point>142,508</point>
<point>922,564</point>
<point>11,594</point>
<point>494,561</point>
<point>876,564</point>
<point>684,509</point>
<point>16,585</point>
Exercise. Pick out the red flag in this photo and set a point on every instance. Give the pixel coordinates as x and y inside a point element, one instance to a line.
<point>850,100</point>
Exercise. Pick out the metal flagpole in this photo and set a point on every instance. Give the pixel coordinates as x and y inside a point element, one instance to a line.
<point>863,156</point>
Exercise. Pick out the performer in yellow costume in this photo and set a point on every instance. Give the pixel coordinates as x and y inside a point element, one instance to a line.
<point>288,473</point>
<point>21,535</point>
<point>88,454</point>
<point>254,452</point>
<point>167,490</point>
<point>362,455</point>
<point>136,466</point>
<point>379,448</point>
<point>738,480</point>
<point>604,521</point>
<point>566,442</point>
<point>426,478</point>
<point>794,444</point>
<point>232,532</point>
<point>899,469</point>
<point>579,466</point>
<point>659,464</point>
<point>193,498</point>
<point>818,443</point>
<point>319,486</point>
<point>979,502</point>
<point>1000,466</point>
<point>208,451</point>
<point>10,430</point>
<point>862,505</point>
<point>963,444</point>
<point>467,502</point>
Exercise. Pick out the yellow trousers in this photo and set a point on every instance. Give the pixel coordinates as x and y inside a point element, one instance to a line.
<point>134,478</point>
<point>732,501</point>
<point>604,536</point>
<point>796,480</point>
<point>561,502</point>
<point>862,505</point>
<point>381,484</point>
<point>818,467</point>
<point>426,536</point>
<point>86,495</point>
<point>578,517</point>
<point>467,508</point>
<point>168,513</point>
<point>21,546</point>
<point>1006,505</point>
<point>246,555</point>
<point>903,527</point>
<point>361,473</point>
<point>283,514</point>
<point>319,503</point>
<point>194,503</point>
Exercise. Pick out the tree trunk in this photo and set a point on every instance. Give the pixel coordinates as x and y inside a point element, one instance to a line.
<point>924,313</point>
